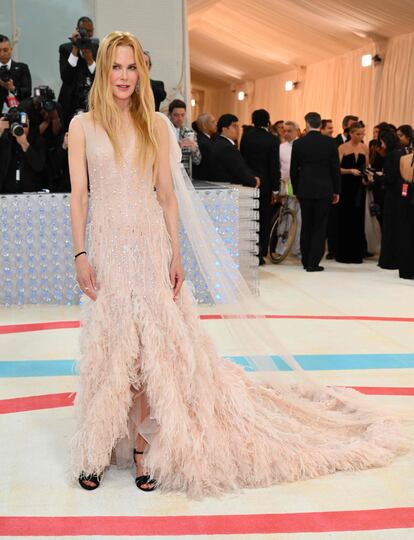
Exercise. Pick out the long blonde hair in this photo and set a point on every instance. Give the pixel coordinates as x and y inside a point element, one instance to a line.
<point>102,104</point>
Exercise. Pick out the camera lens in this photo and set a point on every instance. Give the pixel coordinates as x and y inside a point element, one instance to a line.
<point>17,129</point>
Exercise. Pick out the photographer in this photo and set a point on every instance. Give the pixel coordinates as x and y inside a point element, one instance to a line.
<point>77,68</point>
<point>22,154</point>
<point>15,79</point>
<point>46,116</point>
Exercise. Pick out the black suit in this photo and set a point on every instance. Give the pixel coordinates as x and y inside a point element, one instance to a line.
<point>315,175</point>
<point>203,170</point>
<point>73,92</point>
<point>159,93</point>
<point>228,165</point>
<point>22,80</point>
<point>260,150</point>
<point>31,164</point>
<point>339,139</point>
<point>333,219</point>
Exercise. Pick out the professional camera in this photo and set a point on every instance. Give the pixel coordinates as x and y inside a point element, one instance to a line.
<point>17,121</point>
<point>83,41</point>
<point>4,74</point>
<point>83,89</point>
<point>45,97</point>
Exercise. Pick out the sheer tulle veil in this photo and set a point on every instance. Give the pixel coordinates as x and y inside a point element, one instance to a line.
<point>247,330</point>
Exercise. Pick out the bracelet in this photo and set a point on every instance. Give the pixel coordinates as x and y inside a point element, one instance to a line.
<point>80,253</point>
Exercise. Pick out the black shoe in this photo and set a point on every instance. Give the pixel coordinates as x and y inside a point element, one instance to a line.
<point>315,269</point>
<point>261,261</point>
<point>367,255</point>
<point>330,256</point>
<point>95,478</point>
<point>145,479</point>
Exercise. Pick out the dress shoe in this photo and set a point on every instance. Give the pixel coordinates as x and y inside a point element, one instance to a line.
<point>367,255</point>
<point>330,256</point>
<point>315,269</point>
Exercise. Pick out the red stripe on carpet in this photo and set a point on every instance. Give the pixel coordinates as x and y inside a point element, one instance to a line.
<point>66,399</point>
<point>35,327</point>
<point>353,520</point>
<point>312,317</point>
<point>384,390</point>
<point>35,403</point>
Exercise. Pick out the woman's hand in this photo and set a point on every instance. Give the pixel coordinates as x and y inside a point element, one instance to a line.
<point>85,276</point>
<point>355,172</point>
<point>176,276</point>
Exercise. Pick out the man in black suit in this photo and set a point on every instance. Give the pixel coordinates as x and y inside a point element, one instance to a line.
<point>260,150</point>
<point>206,130</point>
<point>227,164</point>
<point>15,79</point>
<point>348,120</point>
<point>77,68</point>
<point>158,88</point>
<point>315,175</point>
<point>22,159</point>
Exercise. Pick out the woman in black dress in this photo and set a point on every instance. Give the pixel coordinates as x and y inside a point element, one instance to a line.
<point>406,213</point>
<point>354,158</point>
<point>392,182</point>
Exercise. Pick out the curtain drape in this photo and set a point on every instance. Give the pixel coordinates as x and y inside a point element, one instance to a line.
<point>396,100</point>
<point>333,87</point>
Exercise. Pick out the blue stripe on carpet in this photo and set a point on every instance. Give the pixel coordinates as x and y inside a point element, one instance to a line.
<point>321,362</point>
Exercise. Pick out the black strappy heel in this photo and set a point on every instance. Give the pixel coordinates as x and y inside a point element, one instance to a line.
<point>95,478</point>
<point>145,479</point>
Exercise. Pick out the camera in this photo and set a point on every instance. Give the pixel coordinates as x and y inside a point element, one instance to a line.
<point>82,93</point>
<point>365,172</point>
<point>45,97</point>
<point>17,121</point>
<point>4,74</point>
<point>83,41</point>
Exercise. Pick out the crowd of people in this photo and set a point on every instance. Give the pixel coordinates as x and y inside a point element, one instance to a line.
<point>327,180</point>
<point>335,184</point>
<point>33,126</point>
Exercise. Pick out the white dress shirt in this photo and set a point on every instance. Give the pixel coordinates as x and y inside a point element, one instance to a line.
<point>285,155</point>
<point>73,61</point>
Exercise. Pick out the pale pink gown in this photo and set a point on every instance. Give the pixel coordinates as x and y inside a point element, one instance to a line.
<point>211,428</point>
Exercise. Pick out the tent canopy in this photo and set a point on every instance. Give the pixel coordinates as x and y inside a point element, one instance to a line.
<point>236,40</point>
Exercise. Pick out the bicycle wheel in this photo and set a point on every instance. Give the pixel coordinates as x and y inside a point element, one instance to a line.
<point>282,235</point>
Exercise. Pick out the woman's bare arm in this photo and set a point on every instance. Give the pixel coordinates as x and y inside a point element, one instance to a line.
<point>79,206</point>
<point>168,202</point>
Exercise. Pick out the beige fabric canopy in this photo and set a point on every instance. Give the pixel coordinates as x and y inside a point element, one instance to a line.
<point>256,45</point>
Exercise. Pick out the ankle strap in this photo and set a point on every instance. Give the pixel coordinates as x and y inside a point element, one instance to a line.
<point>136,452</point>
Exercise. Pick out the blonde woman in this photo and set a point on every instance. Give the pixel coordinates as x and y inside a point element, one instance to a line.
<point>152,387</point>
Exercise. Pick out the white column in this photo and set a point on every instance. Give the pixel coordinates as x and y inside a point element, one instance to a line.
<point>160,26</point>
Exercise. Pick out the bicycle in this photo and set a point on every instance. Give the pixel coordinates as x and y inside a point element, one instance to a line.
<point>282,232</point>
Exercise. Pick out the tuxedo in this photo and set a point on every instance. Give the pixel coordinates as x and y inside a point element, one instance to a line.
<point>22,81</point>
<point>159,93</point>
<point>75,80</point>
<point>315,175</point>
<point>260,150</point>
<point>339,139</point>
<point>228,165</point>
<point>202,171</point>
<point>30,164</point>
